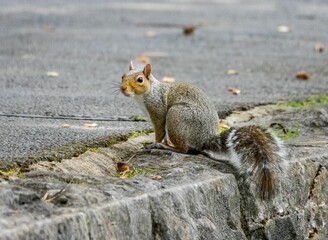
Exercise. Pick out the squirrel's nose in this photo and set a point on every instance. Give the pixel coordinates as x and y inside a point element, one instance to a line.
<point>123,88</point>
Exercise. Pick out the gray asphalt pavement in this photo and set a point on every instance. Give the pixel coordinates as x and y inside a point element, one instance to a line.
<point>90,43</point>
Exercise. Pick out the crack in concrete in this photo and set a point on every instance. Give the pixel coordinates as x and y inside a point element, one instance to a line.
<point>314,181</point>
<point>313,231</point>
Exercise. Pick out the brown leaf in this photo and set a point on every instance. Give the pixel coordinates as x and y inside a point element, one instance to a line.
<point>66,126</point>
<point>318,47</point>
<point>234,91</point>
<point>264,221</point>
<point>302,75</point>
<point>189,29</point>
<point>122,167</point>
<point>157,177</point>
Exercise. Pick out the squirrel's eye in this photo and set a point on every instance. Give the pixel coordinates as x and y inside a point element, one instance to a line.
<point>139,80</point>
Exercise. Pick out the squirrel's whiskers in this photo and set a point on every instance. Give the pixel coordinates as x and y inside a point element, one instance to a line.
<point>115,88</point>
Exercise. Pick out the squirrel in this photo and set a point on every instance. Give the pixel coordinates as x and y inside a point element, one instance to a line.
<point>185,121</point>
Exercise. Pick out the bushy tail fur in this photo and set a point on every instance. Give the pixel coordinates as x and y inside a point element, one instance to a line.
<point>253,150</point>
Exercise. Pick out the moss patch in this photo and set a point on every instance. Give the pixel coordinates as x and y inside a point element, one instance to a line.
<point>11,172</point>
<point>91,149</point>
<point>284,133</point>
<point>312,101</point>
<point>291,133</point>
<point>135,173</point>
<point>136,134</point>
<point>137,118</point>
<point>223,127</point>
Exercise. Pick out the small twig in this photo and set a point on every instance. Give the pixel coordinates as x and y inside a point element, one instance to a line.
<point>56,195</point>
<point>132,157</point>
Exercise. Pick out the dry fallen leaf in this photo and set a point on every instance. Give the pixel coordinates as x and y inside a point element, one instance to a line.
<point>283,29</point>
<point>302,75</point>
<point>90,125</point>
<point>189,29</point>
<point>157,177</point>
<point>150,34</point>
<point>155,54</point>
<point>122,167</point>
<point>232,72</point>
<point>49,28</point>
<point>168,79</point>
<point>143,59</point>
<point>264,221</point>
<point>52,74</point>
<point>66,126</point>
<point>318,47</point>
<point>235,91</point>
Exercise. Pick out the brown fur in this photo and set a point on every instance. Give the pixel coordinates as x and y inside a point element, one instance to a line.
<point>257,150</point>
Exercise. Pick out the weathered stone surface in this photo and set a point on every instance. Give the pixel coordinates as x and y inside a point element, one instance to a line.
<point>196,198</point>
<point>139,208</point>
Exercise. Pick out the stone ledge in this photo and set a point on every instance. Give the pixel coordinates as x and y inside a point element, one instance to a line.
<point>196,198</point>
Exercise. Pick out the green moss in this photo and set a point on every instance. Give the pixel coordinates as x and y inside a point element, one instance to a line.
<point>312,101</point>
<point>135,173</point>
<point>10,172</point>
<point>20,175</point>
<point>94,149</point>
<point>113,141</point>
<point>136,134</point>
<point>222,129</point>
<point>287,133</point>
<point>137,118</point>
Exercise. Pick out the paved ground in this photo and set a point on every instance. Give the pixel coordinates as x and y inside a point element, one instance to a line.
<point>91,44</point>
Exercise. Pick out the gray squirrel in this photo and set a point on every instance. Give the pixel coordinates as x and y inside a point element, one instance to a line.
<point>186,121</point>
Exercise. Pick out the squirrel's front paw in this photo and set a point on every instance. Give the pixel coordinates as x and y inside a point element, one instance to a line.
<point>156,146</point>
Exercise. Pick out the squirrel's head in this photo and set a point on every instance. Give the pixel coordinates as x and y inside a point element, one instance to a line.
<point>136,82</point>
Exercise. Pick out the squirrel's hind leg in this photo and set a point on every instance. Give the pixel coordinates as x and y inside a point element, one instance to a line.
<point>178,129</point>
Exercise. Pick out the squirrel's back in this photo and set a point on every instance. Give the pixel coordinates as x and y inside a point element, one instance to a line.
<point>191,118</point>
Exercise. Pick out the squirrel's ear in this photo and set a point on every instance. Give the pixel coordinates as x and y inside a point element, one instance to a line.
<point>131,66</point>
<point>147,70</point>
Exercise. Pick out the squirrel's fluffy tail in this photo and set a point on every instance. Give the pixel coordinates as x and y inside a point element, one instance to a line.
<point>254,150</point>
